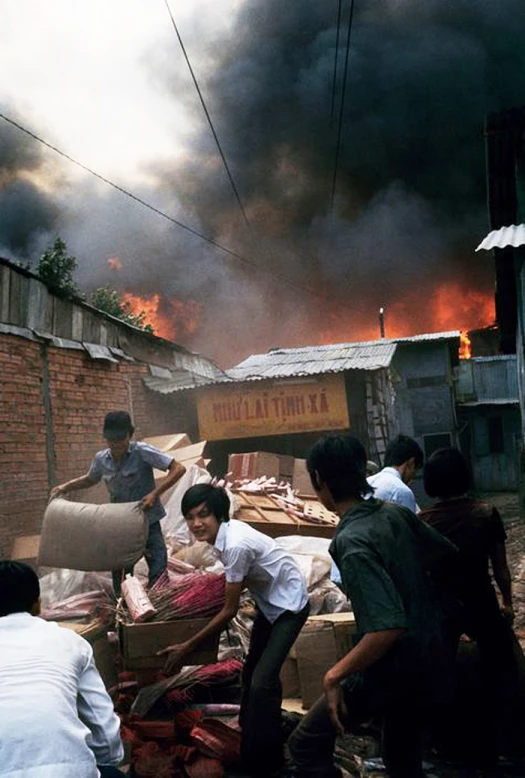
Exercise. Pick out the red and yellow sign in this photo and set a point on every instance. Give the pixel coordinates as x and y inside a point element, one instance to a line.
<point>227,412</point>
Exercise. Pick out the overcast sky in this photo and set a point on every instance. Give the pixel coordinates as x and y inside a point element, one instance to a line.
<point>82,74</point>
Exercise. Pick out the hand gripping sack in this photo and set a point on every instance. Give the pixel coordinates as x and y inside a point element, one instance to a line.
<point>83,536</point>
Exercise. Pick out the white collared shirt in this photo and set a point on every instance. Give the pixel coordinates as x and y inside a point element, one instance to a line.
<point>271,575</point>
<point>56,718</point>
<point>388,485</point>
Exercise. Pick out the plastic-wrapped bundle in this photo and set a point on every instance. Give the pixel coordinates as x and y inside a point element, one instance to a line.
<point>138,602</point>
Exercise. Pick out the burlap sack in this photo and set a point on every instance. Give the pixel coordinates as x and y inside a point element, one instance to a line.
<point>82,536</point>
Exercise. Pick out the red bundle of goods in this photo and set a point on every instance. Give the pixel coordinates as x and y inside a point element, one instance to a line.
<point>187,719</point>
<point>204,767</point>
<point>149,760</point>
<point>193,595</point>
<point>217,740</point>
<point>219,672</point>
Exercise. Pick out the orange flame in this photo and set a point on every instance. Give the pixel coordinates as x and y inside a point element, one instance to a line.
<point>114,263</point>
<point>170,318</point>
<point>465,350</point>
<point>449,307</point>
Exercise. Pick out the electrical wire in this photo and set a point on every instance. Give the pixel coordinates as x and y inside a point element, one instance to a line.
<point>334,81</point>
<point>342,104</point>
<point>208,117</point>
<point>233,254</point>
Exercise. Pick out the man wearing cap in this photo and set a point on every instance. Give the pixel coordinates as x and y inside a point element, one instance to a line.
<point>127,470</point>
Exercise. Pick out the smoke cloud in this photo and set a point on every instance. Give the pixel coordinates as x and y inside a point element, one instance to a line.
<point>410,205</point>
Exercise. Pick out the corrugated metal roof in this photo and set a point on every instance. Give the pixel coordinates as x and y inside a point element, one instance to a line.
<point>180,380</point>
<point>505,236</point>
<point>331,358</point>
<point>313,360</point>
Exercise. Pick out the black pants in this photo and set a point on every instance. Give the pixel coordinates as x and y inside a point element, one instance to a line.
<point>312,743</point>
<point>260,715</point>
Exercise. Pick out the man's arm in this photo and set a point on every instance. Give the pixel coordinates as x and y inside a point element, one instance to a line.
<point>175,473</point>
<point>95,709</point>
<point>369,650</point>
<point>178,652</point>
<point>500,568</point>
<point>83,482</point>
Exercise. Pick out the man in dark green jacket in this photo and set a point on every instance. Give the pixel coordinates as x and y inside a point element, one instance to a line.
<point>395,671</point>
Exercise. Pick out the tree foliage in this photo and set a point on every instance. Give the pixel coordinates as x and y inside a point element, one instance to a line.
<point>56,268</point>
<point>107,299</point>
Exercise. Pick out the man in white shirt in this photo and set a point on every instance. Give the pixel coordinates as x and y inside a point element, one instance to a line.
<point>56,718</point>
<point>254,561</point>
<point>403,457</point>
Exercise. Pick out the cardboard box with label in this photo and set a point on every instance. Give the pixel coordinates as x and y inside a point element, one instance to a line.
<point>321,643</point>
<point>256,464</point>
<point>140,643</point>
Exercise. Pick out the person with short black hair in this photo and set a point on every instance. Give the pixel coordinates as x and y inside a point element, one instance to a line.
<point>56,718</point>
<point>393,672</point>
<point>403,457</point>
<point>476,529</point>
<point>127,470</point>
<point>253,561</point>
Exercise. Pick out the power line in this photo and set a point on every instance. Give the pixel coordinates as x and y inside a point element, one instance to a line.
<point>341,107</point>
<point>332,107</point>
<point>234,254</point>
<point>208,117</point>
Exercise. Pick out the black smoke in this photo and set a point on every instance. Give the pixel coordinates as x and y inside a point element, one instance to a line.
<point>27,212</point>
<point>411,196</point>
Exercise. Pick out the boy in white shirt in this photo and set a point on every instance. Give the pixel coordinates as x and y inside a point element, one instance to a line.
<point>254,561</point>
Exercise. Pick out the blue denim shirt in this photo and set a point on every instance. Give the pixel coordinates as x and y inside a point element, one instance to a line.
<point>131,478</point>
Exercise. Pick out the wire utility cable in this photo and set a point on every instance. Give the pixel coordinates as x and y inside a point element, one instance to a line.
<point>234,254</point>
<point>208,117</point>
<point>334,81</point>
<point>342,105</point>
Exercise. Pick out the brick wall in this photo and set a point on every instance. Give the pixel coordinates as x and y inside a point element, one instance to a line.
<point>81,391</point>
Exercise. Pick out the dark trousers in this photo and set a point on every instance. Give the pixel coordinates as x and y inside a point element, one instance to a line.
<point>156,556</point>
<point>260,715</point>
<point>312,743</point>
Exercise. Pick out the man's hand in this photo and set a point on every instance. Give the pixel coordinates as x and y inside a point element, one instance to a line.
<point>335,702</point>
<point>507,611</point>
<point>148,501</point>
<point>57,491</point>
<point>176,656</point>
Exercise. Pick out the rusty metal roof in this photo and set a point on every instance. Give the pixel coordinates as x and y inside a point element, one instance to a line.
<point>332,358</point>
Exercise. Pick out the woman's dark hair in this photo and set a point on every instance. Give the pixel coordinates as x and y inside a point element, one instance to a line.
<point>339,461</point>
<point>19,587</point>
<point>401,449</point>
<point>446,474</point>
<point>215,498</point>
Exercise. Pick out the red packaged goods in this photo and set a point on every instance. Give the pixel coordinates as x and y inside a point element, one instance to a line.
<point>217,740</point>
<point>195,594</point>
<point>204,767</point>
<point>138,602</point>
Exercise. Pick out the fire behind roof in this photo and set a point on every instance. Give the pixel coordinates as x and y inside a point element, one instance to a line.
<point>410,205</point>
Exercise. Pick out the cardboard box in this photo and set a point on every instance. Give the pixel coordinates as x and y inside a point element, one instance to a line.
<point>168,443</point>
<point>261,463</point>
<point>139,643</point>
<point>301,480</point>
<point>25,549</point>
<point>321,643</point>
